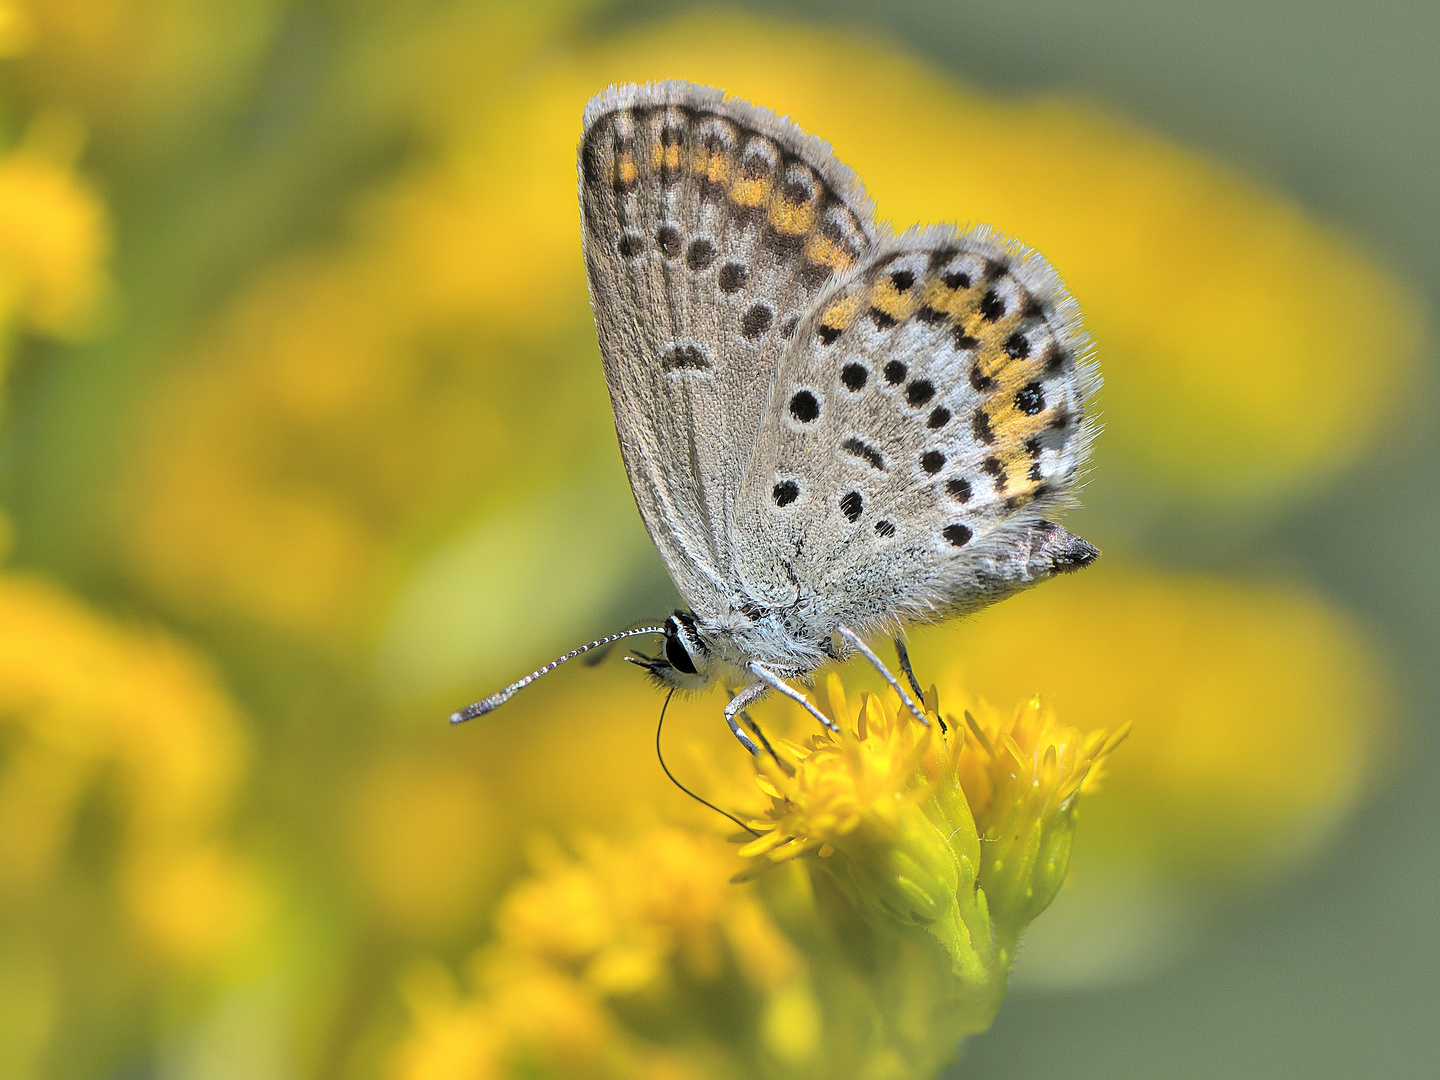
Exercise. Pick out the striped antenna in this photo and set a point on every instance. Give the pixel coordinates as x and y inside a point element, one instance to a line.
<point>494,701</point>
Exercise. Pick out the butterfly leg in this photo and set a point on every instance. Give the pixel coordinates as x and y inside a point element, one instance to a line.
<point>885,673</point>
<point>737,705</point>
<point>794,695</point>
<point>732,713</point>
<point>904,656</point>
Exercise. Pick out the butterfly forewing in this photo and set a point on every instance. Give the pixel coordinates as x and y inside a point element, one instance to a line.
<point>709,228</point>
<point>931,409</point>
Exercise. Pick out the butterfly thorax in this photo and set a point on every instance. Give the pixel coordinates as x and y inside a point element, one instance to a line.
<point>781,639</point>
<point>698,652</point>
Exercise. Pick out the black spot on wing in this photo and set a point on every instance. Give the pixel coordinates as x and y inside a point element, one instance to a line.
<point>804,406</point>
<point>992,468</point>
<point>700,254</point>
<point>589,164</point>
<point>859,448</point>
<point>684,358</point>
<point>1030,399</point>
<point>981,426</point>
<point>669,241</point>
<point>733,277</point>
<point>919,392</point>
<point>756,320</point>
<point>957,535</point>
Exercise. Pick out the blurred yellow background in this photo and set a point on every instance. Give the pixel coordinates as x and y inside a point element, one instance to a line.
<point>305,444</point>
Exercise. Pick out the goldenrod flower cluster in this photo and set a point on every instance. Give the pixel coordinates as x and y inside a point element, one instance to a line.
<point>635,959</point>
<point>926,851</point>
<point>962,828</point>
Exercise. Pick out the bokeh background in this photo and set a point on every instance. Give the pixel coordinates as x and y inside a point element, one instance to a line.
<point>305,443</point>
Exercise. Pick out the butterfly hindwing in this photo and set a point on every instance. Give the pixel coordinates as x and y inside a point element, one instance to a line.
<point>709,228</point>
<point>931,410</point>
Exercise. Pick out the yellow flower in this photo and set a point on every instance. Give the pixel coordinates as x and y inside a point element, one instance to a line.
<point>634,959</point>
<point>963,827</point>
<point>17,29</point>
<point>1260,718</point>
<point>537,1018</point>
<point>88,706</point>
<point>637,957</point>
<point>1260,714</point>
<point>54,235</point>
<point>1259,711</point>
<point>1022,785</point>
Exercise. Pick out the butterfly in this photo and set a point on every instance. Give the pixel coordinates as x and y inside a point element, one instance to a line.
<point>830,430</point>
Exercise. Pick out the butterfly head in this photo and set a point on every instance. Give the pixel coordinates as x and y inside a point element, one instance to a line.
<point>684,659</point>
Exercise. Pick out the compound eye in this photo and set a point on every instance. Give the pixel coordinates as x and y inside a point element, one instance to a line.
<point>678,657</point>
